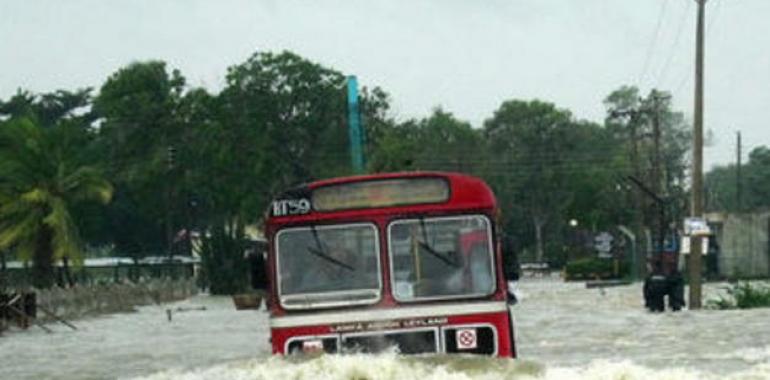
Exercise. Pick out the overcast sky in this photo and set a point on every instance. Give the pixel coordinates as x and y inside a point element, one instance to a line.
<point>466,56</point>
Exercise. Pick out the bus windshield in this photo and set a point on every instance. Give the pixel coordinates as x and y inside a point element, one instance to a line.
<point>446,257</point>
<point>321,266</point>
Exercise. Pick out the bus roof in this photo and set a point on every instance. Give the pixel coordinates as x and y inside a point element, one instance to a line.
<point>387,193</point>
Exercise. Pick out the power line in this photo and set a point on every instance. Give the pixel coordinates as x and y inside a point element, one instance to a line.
<point>674,45</point>
<point>652,42</point>
<point>686,76</point>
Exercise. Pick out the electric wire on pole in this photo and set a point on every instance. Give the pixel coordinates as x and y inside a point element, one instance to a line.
<point>673,49</point>
<point>653,43</point>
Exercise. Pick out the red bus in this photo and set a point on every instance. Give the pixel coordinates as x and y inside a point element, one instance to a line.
<point>404,260</point>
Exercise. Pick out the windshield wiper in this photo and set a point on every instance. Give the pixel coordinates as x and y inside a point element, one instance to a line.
<point>321,252</point>
<point>428,248</point>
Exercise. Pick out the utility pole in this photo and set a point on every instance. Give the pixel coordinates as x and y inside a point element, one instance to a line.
<point>3,275</point>
<point>634,121</point>
<point>171,163</point>
<point>697,161</point>
<point>657,175</point>
<point>661,202</point>
<point>738,187</point>
<point>657,172</point>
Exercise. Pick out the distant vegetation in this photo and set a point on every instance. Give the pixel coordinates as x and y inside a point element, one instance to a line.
<point>723,182</point>
<point>594,268</point>
<point>172,158</point>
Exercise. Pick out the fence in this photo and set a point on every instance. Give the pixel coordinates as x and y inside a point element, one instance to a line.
<point>104,271</point>
<point>61,304</point>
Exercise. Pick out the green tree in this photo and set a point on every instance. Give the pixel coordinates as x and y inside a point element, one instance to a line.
<point>631,119</point>
<point>279,121</point>
<point>49,109</point>
<point>722,184</point>
<point>721,190</point>
<point>397,148</point>
<point>758,178</point>
<point>447,143</point>
<point>438,142</point>
<point>547,168</point>
<point>42,182</point>
<point>139,122</point>
<point>530,142</point>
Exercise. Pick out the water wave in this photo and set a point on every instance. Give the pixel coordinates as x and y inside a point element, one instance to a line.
<point>394,367</point>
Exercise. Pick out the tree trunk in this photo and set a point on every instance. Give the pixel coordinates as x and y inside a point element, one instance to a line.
<point>67,275</point>
<point>3,273</point>
<point>42,260</point>
<point>539,250</point>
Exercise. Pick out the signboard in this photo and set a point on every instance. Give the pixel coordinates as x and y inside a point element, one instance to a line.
<point>389,324</point>
<point>284,207</point>
<point>685,249</point>
<point>696,227</point>
<point>466,339</point>
<point>380,193</point>
<point>603,244</point>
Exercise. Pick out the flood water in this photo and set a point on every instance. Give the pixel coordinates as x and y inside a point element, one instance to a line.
<point>565,331</point>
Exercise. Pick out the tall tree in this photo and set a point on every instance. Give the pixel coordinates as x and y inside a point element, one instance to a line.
<point>721,184</point>
<point>721,189</point>
<point>531,142</point>
<point>656,139</point>
<point>139,124</point>
<point>437,142</point>
<point>279,121</point>
<point>42,182</point>
<point>48,109</point>
<point>758,178</point>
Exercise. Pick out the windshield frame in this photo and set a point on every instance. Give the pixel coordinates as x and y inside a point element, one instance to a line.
<point>333,298</point>
<point>424,220</point>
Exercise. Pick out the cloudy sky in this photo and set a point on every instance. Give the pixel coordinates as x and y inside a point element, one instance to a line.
<point>466,56</point>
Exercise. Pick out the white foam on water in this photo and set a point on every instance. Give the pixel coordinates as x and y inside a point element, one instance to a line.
<point>393,367</point>
<point>565,331</point>
<point>753,355</point>
<point>373,367</point>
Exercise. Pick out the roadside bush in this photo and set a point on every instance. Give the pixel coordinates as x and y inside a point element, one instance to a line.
<point>225,270</point>
<point>742,295</point>
<point>591,268</point>
<point>720,303</point>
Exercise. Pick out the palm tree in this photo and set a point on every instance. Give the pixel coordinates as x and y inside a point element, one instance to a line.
<point>41,181</point>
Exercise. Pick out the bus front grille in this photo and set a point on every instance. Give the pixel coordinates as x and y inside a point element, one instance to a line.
<point>404,341</point>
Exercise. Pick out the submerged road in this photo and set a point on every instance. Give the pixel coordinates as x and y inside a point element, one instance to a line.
<point>564,331</point>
